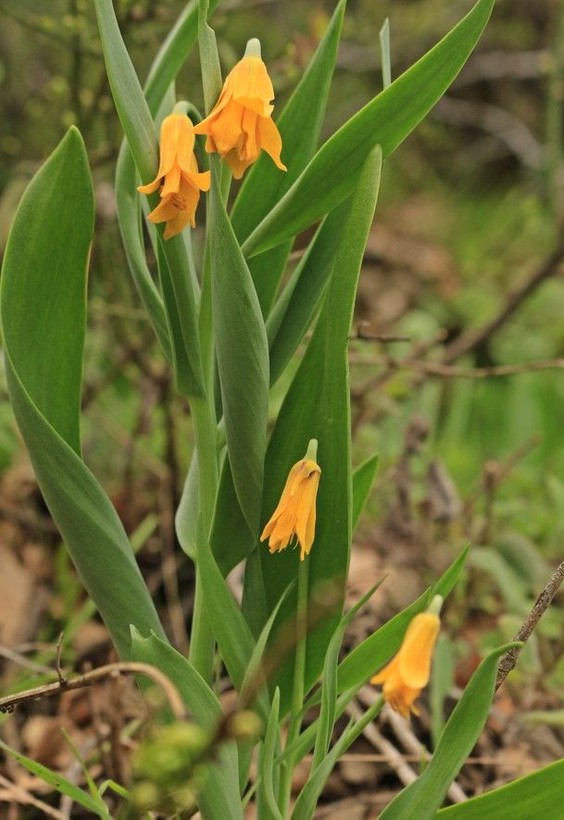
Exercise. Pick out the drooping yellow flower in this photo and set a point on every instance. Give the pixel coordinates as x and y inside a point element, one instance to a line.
<point>240,125</point>
<point>408,672</point>
<point>294,517</point>
<point>178,178</point>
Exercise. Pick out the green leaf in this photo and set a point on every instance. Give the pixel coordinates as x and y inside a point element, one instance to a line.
<point>220,793</point>
<point>59,783</point>
<point>129,219</point>
<point>298,303</point>
<point>43,317</point>
<point>164,69</point>
<point>424,796</point>
<point>267,769</point>
<point>232,633</point>
<point>306,803</point>
<point>317,406</point>
<point>131,106</point>
<point>242,358</point>
<point>537,795</point>
<point>257,656</point>
<point>300,126</point>
<point>137,124</point>
<point>332,175</point>
<point>363,479</point>
<point>376,650</point>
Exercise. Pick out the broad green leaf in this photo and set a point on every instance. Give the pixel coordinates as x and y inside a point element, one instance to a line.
<point>363,479</point>
<point>137,124</point>
<point>59,783</point>
<point>298,303</point>
<point>257,658</point>
<point>242,358</point>
<point>537,795</point>
<point>220,792</point>
<point>231,539</point>
<point>231,631</point>
<point>425,795</point>
<point>43,317</point>
<point>332,175</point>
<point>317,406</point>
<point>376,650</point>
<point>300,126</point>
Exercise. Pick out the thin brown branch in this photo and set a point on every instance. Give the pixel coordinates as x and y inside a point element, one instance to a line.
<point>473,338</point>
<point>111,670</point>
<point>448,371</point>
<point>542,603</point>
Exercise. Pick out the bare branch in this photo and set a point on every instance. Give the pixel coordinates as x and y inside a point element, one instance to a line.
<point>542,603</point>
<point>111,670</point>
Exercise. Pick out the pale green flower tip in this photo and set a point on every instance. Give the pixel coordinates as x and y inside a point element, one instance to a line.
<point>253,48</point>
<point>435,606</point>
<point>311,452</point>
<point>181,107</point>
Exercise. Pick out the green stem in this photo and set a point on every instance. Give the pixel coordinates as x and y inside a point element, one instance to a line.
<point>298,683</point>
<point>202,644</point>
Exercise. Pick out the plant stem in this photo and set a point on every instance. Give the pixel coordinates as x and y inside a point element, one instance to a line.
<point>205,434</point>
<point>298,683</point>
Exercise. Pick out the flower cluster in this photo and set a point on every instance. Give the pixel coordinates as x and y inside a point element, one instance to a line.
<point>238,128</point>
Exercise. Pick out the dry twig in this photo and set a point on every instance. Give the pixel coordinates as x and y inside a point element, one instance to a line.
<point>111,670</point>
<point>542,603</point>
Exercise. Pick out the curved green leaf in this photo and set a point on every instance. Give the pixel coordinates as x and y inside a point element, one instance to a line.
<point>299,126</point>
<point>242,358</point>
<point>424,796</point>
<point>138,126</point>
<point>43,317</point>
<point>220,792</point>
<point>333,172</point>
<point>539,794</point>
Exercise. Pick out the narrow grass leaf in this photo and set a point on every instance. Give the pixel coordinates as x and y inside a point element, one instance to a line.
<point>425,795</point>
<point>43,317</point>
<point>333,173</point>
<point>59,783</point>
<point>267,769</point>
<point>539,794</point>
